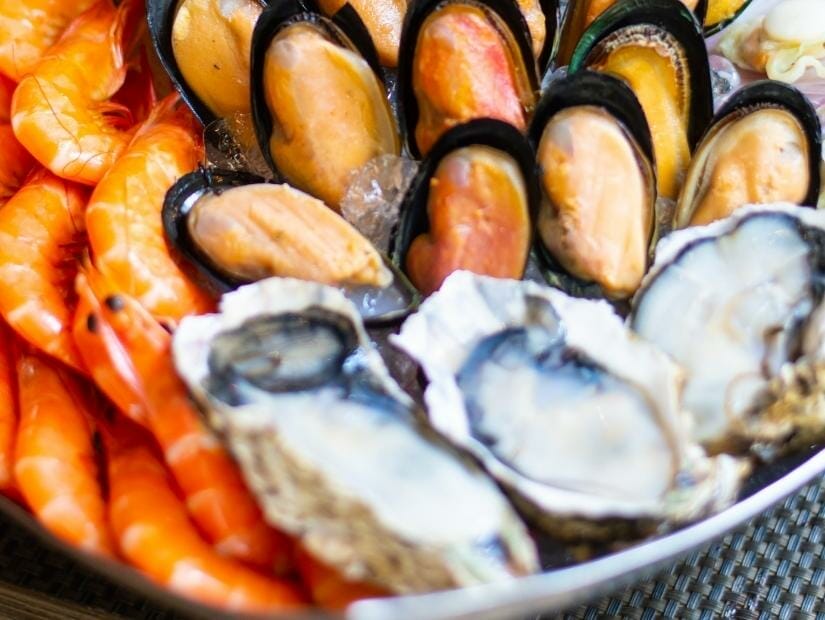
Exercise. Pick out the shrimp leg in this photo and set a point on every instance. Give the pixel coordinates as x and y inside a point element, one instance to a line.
<point>216,495</point>
<point>41,234</point>
<point>55,463</point>
<point>155,535</point>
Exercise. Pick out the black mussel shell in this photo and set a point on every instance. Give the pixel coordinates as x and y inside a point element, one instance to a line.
<point>566,46</point>
<point>414,219</point>
<point>345,27</point>
<point>552,17</point>
<point>675,18</point>
<point>160,15</point>
<point>378,307</point>
<point>711,29</point>
<point>774,94</point>
<point>506,10</point>
<point>613,95</point>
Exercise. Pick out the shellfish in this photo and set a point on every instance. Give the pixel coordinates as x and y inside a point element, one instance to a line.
<point>764,146</point>
<point>317,142</point>
<point>463,60</point>
<point>331,447</point>
<point>579,419</point>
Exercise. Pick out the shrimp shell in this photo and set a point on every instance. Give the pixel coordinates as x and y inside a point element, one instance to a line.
<point>8,411</point>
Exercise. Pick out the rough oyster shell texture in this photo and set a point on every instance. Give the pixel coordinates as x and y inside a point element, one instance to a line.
<point>588,474</point>
<point>346,469</point>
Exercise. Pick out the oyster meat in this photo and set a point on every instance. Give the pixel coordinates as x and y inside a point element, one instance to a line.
<point>577,417</point>
<point>747,291</point>
<point>331,447</point>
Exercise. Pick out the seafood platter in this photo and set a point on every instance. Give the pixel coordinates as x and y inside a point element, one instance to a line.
<point>390,308</point>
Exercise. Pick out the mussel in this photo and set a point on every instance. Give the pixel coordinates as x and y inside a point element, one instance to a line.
<point>320,108</point>
<point>747,293</point>
<point>204,46</point>
<point>382,18</point>
<point>233,228</point>
<point>594,153</point>
<point>469,207</point>
<point>764,146</point>
<point>581,421</point>
<point>657,47</point>
<point>720,13</point>
<point>582,13</point>
<point>462,60</point>
<point>333,449</point>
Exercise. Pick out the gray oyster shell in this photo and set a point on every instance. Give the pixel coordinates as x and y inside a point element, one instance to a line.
<point>564,406</point>
<point>738,304</point>
<point>330,445</point>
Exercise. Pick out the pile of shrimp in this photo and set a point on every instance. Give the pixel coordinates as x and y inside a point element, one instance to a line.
<point>98,437</point>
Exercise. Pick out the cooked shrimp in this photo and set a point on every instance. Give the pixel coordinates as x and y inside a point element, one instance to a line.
<point>328,588</point>
<point>155,534</point>
<point>8,411</point>
<point>15,161</point>
<point>30,27</point>
<point>123,218</point>
<point>61,111</point>
<point>55,463</point>
<point>216,494</point>
<point>41,233</point>
<point>107,362</point>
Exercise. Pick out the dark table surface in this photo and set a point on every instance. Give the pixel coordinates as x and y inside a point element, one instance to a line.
<point>773,568</point>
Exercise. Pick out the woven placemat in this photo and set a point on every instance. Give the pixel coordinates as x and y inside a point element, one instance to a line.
<point>773,568</point>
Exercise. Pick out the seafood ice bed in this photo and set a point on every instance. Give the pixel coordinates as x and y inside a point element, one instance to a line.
<point>311,303</point>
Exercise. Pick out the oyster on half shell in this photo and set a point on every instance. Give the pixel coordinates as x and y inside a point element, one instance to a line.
<point>747,292</point>
<point>332,449</point>
<point>578,418</point>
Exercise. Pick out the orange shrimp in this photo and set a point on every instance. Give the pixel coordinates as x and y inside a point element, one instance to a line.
<point>55,462</point>
<point>123,218</point>
<point>8,411</point>
<point>61,111</point>
<point>328,588</point>
<point>41,232</point>
<point>30,27</point>
<point>155,535</point>
<point>15,161</point>
<point>216,494</point>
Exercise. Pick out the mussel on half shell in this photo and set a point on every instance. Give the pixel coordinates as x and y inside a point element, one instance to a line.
<point>747,292</point>
<point>333,449</point>
<point>319,104</point>
<point>764,146</point>
<point>721,13</point>
<point>204,46</point>
<point>463,60</point>
<point>580,420</point>
<point>594,153</point>
<point>657,47</point>
<point>471,206</point>
<point>233,228</point>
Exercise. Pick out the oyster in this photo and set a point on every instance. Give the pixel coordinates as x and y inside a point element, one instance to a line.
<point>748,292</point>
<point>234,228</point>
<point>464,60</point>
<point>330,444</point>
<point>469,207</point>
<point>599,187</point>
<point>382,18</point>
<point>764,146</point>
<point>783,44</point>
<point>574,415</point>
<point>656,46</point>
<point>320,108</point>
